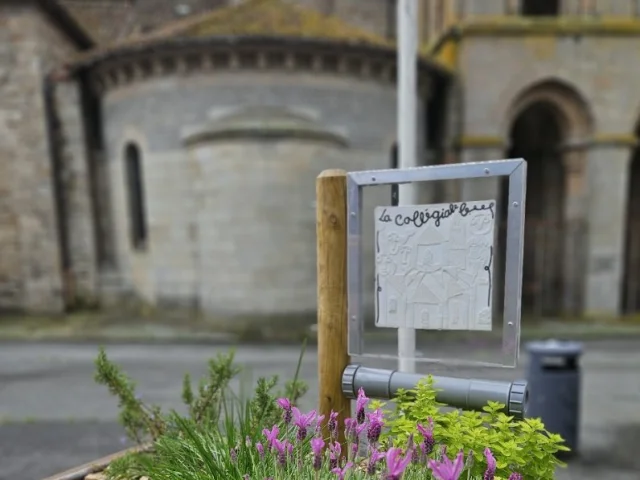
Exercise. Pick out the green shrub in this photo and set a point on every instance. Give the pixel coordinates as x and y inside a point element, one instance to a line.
<point>266,437</point>
<point>522,446</point>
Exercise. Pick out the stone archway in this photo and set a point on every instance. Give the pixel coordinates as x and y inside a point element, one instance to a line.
<point>548,126</point>
<point>631,265</point>
<point>536,136</point>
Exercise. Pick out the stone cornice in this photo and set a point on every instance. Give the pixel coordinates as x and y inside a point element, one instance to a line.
<point>561,26</point>
<point>364,62</point>
<point>263,122</point>
<point>598,140</point>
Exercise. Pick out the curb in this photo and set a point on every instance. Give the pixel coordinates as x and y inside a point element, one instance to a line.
<point>580,333</point>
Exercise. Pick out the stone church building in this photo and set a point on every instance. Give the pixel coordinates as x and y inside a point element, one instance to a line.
<point>165,151</point>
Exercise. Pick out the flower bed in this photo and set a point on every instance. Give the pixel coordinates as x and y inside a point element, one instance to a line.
<point>268,438</point>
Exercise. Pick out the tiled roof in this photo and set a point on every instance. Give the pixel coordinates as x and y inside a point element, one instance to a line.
<point>259,18</point>
<point>105,22</point>
<point>269,18</point>
<point>111,21</point>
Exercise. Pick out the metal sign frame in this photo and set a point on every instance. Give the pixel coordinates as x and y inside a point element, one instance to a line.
<point>516,172</point>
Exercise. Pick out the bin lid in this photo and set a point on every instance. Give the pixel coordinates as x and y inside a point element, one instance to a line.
<point>555,347</point>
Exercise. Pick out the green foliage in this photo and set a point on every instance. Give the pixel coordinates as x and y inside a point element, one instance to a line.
<point>523,446</point>
<point>215,414</point>
<point>143,422</point>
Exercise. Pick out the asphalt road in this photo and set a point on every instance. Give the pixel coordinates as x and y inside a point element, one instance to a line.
<point>53,416</point>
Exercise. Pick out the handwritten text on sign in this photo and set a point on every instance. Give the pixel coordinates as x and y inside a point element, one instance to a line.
<point>434,266</point>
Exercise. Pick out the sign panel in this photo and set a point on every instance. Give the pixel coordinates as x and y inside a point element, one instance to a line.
<point>434,266</point>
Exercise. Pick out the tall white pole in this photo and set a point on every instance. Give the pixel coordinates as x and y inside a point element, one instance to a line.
<point>407,34</point>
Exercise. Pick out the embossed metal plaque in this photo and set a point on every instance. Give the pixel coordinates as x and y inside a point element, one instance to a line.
<point>437,265</point>
<point>434,266</point>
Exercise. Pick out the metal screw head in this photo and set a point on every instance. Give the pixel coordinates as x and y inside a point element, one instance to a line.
<point>353,317</point>
<point>373,179</point>
<point>353,214</point>
<point>486,171</point>
<point>510,324</point>
<point>515,204</point>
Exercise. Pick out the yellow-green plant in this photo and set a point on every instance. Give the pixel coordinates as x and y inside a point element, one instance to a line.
<point>524,446</point>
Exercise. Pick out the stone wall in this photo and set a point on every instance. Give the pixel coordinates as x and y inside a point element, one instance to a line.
<point>30,268</point>
<point>595,72</point>
<point>195,247</point>
<point>77,194</point>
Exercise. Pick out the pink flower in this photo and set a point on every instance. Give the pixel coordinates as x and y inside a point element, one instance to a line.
<point>361,404</point>
<point>260,450</point>
<point>317,444</point>
<point>303,421</point>
<point>374,458</point>
<point>282,448</point>
<point>334,454</point>
<point>447,470</point>
<point>341,472</point>
<point>349,427</point>
<point>515,476</point>
<point>271,435</point>
<point>396,465</point>
<point>490,472</point>
<point>428,440</point>
<point>285,405</point>
<point>332,424</point>
<point>375,426</point>
<point>319,421</point>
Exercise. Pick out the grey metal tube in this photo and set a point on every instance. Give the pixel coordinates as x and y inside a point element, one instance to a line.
<point>468,394</point>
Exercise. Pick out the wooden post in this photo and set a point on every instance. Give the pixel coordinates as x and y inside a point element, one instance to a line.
<point>333,356</point>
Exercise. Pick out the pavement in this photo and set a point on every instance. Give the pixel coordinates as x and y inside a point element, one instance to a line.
<point>54,417</point>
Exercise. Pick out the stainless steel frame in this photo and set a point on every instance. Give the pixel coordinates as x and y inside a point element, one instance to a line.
<point>514,169</point>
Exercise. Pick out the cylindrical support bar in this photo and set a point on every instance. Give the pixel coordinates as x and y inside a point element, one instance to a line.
<point>468,394</point>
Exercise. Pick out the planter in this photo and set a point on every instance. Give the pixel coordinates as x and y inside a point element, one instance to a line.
<point>93,470</point>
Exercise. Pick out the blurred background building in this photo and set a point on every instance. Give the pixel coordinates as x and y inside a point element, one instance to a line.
<point>166,150</point>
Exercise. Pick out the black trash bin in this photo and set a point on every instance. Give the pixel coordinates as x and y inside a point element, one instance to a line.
<point>554,385</point>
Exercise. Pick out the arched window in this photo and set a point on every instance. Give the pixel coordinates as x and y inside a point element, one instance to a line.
<point>135,196</point>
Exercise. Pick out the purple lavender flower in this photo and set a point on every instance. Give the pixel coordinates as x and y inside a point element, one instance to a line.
<point>515,476</point>
<point>319,421</point>
<point>317,444</point>
<point>490,472</point>
<point>446,469</point>
<point>374,458</point>
<point>289,448</point>
<point>285,405</point>
<point>349,427</point>
<point>260,450</point>
<point>234,455</point>
<point>354,448</point>
<point>396,464</point>
<point>334,454</point>
<point>271,435</point>
<point>302,421</point>
<point>428,441</point>
<point>332,424</point>
<point>247,441</point>
<point>281,448</point>
<point>375,427</point>
<point>341,472</point>
<point>361,404</point>
<point>411,447</point>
